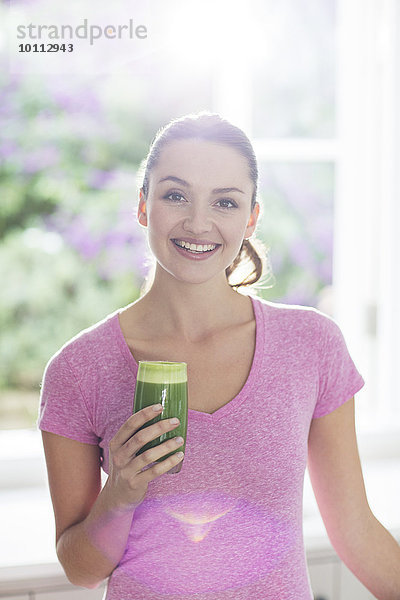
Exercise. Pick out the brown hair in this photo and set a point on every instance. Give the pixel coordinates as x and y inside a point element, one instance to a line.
<point>213,128</point>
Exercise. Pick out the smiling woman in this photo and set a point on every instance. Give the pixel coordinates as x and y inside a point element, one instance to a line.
<point>234,149</point>
<point>269,386</point>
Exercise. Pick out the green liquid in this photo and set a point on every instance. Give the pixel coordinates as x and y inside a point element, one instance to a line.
<point>173,397</point>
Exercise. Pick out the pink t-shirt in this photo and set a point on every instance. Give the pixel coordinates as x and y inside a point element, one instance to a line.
<point>229,525</point>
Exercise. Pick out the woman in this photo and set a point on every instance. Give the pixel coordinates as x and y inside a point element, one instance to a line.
<point>270,385</point>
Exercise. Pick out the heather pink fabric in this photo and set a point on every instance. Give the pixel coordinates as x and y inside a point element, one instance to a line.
<point>229,525</point>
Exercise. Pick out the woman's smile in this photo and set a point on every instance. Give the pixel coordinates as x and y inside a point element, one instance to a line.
<point>195,251</point>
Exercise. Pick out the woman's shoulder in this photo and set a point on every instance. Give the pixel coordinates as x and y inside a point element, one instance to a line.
<point>290,311</point>
<point>90,344</point>
<point>295,317</point>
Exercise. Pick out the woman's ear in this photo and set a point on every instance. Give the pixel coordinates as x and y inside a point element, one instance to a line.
<point>252,222</point>
<point>141,214</point>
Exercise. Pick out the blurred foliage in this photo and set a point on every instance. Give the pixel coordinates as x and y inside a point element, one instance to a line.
<point>49,297</point>
<point>297,225</point>
<point>71,251</point>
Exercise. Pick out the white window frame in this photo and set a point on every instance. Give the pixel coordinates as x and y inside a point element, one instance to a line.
<point>365,153</point>
<point>366,216</point>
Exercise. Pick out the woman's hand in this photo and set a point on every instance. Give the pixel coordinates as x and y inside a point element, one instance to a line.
<point>93,524</point>
<point>127,483</point>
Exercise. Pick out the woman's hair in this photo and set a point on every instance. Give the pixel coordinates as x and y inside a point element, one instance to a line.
<point>211,127</point>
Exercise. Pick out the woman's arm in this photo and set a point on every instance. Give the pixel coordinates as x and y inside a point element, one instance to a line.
<point>92,526</point>
<point>361,541</point>
<point>90,535</point>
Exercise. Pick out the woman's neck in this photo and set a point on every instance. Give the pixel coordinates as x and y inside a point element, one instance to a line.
<point>192,312</point>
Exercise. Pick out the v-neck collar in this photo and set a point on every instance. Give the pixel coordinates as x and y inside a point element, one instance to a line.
<point>227,408</point>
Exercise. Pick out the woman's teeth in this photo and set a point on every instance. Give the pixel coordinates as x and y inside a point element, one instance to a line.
<point>194,247</point>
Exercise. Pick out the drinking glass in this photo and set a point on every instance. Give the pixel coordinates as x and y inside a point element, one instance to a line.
<point>165,383</point>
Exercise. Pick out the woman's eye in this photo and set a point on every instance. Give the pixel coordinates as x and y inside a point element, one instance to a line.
<point>173,196</point>
<point>224,204</point>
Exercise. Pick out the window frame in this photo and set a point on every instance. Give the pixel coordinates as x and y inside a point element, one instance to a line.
<point>364,152</point>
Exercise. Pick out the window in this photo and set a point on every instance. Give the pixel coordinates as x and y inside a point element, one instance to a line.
<point>322,113</point>
<point>315,84</point>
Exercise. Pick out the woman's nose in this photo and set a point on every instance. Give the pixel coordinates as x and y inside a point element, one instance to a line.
<point>198,220</point>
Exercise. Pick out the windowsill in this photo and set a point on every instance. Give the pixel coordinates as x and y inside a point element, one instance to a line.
<point>25,506</point>
<point>18,579</point>
<point>29,561</point>
<point>22,462</point>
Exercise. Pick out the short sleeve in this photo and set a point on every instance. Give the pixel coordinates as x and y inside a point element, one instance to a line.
<point>339,378</point>
<point>62,406</point>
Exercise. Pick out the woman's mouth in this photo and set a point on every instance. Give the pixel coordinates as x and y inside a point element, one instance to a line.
<point>197,251</point>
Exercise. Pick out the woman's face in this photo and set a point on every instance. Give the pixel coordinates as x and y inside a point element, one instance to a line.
<point>199,193</point>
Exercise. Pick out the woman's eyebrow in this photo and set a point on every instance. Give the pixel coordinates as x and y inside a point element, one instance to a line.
<point>185,183</point>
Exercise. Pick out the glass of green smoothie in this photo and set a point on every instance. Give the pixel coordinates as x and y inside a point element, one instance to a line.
<point>165,383</point>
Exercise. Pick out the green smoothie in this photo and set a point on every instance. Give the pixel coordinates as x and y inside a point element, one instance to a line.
<point>165,383</point>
